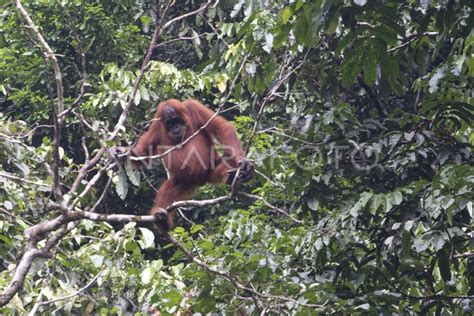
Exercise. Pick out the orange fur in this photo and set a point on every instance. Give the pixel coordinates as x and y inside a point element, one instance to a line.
<point>197,161</point>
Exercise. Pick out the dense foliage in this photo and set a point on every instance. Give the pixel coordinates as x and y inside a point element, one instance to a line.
<point>357,114</point>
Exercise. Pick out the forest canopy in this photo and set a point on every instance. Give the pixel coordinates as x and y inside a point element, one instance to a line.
<point>357,115</point>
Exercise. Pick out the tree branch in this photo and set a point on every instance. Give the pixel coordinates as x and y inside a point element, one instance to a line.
<point>20,274</point>
<point>176,19</point>
<point>464,255</point>
<point>20,179</point>
<point>411,38</point>
<point>25,263</point>
<point>58,122</point>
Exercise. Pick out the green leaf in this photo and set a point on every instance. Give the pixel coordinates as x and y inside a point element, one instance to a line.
<point>420,245</point>
<point>137,98</point>
<point>196,228</point>
<point>386,35</point>
<point>313,204</point>
<point>409,136</point>
<point>392,25</point>
<point>300,28</point>
<point>132,174</point>
<point>144,93</point>
<point>470,65</point>
<point>8,205</point>
<point>364,198</point>
<point>354,211</point>
<point>360,2</point>
<point>332,21</point>
<point>206,245</point>
<point>369,66</point>
<point>147,275</point>
<point>390,65</point>
<point>435,78</point>
<point>396,86</point>
<point>172,298</point>
<point>428,305</point>
<point>388,202</point>
<point>397,198</point>
<point>349,70</point>
<point>268,43</point>
<point>376,202</point>
<point>286,14</point>
<point>280,36</point>
<point>148,238</point>
<point>346,41</point>
<point>121,184</point>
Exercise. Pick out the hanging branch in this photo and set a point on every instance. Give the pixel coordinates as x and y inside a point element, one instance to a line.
<point>58,122</point>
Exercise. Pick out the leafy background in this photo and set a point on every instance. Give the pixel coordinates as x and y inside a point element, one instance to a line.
<point>357,114</point>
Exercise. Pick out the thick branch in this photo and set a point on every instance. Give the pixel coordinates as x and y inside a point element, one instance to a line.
<point>19,276</point>
<point>25,263</point>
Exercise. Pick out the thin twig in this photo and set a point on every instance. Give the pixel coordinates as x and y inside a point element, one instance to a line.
<point>15,216</point>
<point>268,204</point>
<point>181,17</point>
<point>82,289</point>
<point>102,196</point>
<point>182,38</point>
<point>411,38</point>
<point>282,77</point>
<point>20,179</point>
<point>464,255</point>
